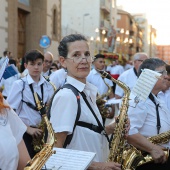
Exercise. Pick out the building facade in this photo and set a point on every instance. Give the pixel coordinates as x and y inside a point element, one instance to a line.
<point>163,52</point>
<point>90,18</point>
<point>129,35</point>
<point>149,34</point>
<point>24,22</point>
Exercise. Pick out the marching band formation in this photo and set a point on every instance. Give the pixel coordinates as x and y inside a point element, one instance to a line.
<point>67,108</point>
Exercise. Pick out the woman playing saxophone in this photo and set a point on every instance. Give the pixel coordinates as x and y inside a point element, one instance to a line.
<point>75,57</point>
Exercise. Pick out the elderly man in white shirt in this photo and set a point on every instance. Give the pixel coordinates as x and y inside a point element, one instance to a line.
<point>129,77</point>
<point>149,118</point>
<point>164,95</point>
<point>48,60</point>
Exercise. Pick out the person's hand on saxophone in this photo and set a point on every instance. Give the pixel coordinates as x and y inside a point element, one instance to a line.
<point>34,132</point>
<point>111,127</point>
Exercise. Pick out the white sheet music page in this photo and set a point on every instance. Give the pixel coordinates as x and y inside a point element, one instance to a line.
<point>67,159</point>
<point>145,84</point>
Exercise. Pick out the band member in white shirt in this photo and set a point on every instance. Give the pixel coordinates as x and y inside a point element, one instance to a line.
<point>75,57</point>
<point>149,118</point>
<point>129,77</point>
<point>95,78</point>
<point>48,60</point>
<point>21,97</point>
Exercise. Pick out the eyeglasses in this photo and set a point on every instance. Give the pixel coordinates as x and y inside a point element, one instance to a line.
<point>140,60</point>
<point>49,62</point>
<point>78,59</point>
<point>163,72</point>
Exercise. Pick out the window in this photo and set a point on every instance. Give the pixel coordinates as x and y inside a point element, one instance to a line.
<point>54,22</point>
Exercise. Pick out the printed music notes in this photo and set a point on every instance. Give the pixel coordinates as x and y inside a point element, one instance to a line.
<point>65,159</point>
<point>145,84</point>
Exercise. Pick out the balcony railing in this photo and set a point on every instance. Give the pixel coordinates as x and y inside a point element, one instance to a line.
<point>105,5</point>
<point>104,24</point>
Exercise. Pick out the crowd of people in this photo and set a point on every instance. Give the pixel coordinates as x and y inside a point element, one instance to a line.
<point>76,119</point>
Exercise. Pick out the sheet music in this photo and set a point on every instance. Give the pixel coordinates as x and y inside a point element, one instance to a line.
<point>145,84</point>
<point>113,101</point>
<point>67,159</point>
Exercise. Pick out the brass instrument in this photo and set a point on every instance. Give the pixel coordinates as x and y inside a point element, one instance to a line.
<point>127,155</point>
<point>100,101</point>
<point>52,84</point>
<point>41,157</point>
<point>39,142</point>
<point>161,138</point>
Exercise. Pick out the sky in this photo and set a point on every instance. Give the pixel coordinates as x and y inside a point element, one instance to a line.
<point>157,13</point>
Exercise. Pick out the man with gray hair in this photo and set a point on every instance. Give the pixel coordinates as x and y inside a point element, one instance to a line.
<point>149,118</point>
<point>129,77</point>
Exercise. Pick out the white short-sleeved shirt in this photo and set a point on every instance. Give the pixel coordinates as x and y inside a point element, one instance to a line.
<point>165,96</point>
<point>63,115</point>
<point>47,73</point>
<point>143,118</point>
<point>11,135</point>
<point>29,116</point>
<point>95,78</point>
<point>58,77</point>
<point>129,78</point>
<point>7,83</point>
<point>117,69</point>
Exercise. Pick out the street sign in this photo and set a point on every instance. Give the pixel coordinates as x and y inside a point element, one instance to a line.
<point>45,41</point>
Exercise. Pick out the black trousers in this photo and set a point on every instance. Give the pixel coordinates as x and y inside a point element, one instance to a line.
<point>28,142</point>
<point>154,166</point>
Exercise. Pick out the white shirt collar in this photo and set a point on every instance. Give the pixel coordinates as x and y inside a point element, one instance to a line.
<point>89,89</point>
<point>30,80</point>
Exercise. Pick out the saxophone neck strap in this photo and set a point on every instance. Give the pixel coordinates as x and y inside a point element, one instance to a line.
<point>41,99</point>
<point>100,126</point>
<point>49,73</point>
<point>42,92</point>
<point>151,97</point>
<point>134,69</point>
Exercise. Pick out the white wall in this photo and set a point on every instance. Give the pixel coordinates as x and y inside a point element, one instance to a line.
<point>3,26</point>
<point>73,16</point>
<point>54,44</point>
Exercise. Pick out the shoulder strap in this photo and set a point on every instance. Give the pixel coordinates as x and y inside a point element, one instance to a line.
<point>98,122</point>
<point>75,91</point>
<point>22,91</point>
<point>157,112</point>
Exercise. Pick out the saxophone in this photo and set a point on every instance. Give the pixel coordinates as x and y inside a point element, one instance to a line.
<point>41,157</point>
<point>104,111</point>
<point>38,143</point>
<point>126,155</point>
<point>161,138</point>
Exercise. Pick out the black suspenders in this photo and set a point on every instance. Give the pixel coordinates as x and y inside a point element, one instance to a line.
<point>42,92</point>
<point>34,107</point>
<point>157,112</point>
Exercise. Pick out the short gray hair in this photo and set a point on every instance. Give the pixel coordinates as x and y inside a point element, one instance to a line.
<point>151,64</point>
<point>137,55</point>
